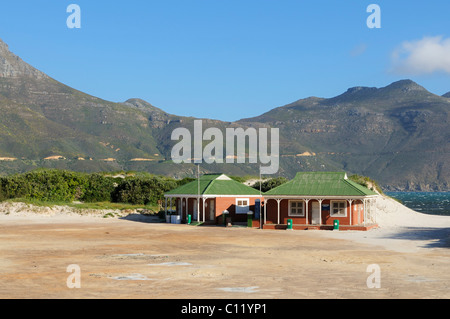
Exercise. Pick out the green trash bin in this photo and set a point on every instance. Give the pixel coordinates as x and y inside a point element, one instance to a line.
<point>336,224</point>
<point>289,224</point>
<point>250,219</point>
<point>189,220</point>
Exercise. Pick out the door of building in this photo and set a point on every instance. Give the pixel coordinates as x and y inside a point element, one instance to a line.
<point>195,210</point>
<point>315,213</point>
<point>212,214</point>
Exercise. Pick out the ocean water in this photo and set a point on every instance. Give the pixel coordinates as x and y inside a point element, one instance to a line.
<point>435,203</point>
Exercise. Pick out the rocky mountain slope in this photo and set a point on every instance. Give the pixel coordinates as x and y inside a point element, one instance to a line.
<point>397,135</point>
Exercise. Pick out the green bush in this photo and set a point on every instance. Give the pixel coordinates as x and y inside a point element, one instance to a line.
<point>52,185</point>
<point>98,188</point>
<point>143,190</point>
<point>269,184</point>
<point>366,182</point>
<point>13,187</point>
<point>57,186</point>
<point>44,184</point>
<point>185,180</point>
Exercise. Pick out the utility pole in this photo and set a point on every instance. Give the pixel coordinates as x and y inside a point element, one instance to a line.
<point>198,192</point>
<point>260,200</point>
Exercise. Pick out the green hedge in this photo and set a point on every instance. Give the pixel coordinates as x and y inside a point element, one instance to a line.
<point>67,186</point>
<point>98,188</point>
<point>45,185</point>
<point>142,190</point>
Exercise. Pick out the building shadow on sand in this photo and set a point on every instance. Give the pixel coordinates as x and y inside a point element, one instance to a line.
<point>435,237</point>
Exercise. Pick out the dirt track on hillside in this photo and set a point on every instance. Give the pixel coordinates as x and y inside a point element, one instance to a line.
<point>129,259</point>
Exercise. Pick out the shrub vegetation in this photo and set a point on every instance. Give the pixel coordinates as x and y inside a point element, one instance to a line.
<point>366,182</point>
<point>52,185</point>
<point>270,183</point>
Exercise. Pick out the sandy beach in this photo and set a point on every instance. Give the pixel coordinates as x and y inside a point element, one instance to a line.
<point>131,256</point>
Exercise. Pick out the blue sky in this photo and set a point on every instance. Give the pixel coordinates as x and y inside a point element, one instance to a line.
<point>230,59</point>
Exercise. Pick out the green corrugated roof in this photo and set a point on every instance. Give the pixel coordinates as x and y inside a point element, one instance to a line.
<point>214,184</point>
<point>320,184</point>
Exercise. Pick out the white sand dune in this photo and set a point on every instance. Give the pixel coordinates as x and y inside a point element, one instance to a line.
<point>391,213</point>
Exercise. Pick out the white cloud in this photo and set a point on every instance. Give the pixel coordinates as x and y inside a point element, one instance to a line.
<point>425,56</point>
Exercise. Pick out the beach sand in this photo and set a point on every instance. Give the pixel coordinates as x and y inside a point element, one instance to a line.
<point>131,257</point>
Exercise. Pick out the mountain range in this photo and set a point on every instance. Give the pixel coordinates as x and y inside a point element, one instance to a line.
<point>397,135</point>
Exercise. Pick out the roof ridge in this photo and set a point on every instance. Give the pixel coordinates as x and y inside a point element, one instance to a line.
<point>208,185</point>
<point>352,184</point>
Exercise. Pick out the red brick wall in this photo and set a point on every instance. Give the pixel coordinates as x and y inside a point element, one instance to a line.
<point>229,204</point>
<point>327,219</point>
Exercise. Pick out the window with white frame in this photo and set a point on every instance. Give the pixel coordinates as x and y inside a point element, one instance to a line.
<point>338,208</point>
<point>242,205</point>
<point>296,208</point>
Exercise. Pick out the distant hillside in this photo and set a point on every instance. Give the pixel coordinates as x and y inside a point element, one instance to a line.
<point>447,95</point>
<point>398,135</point>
